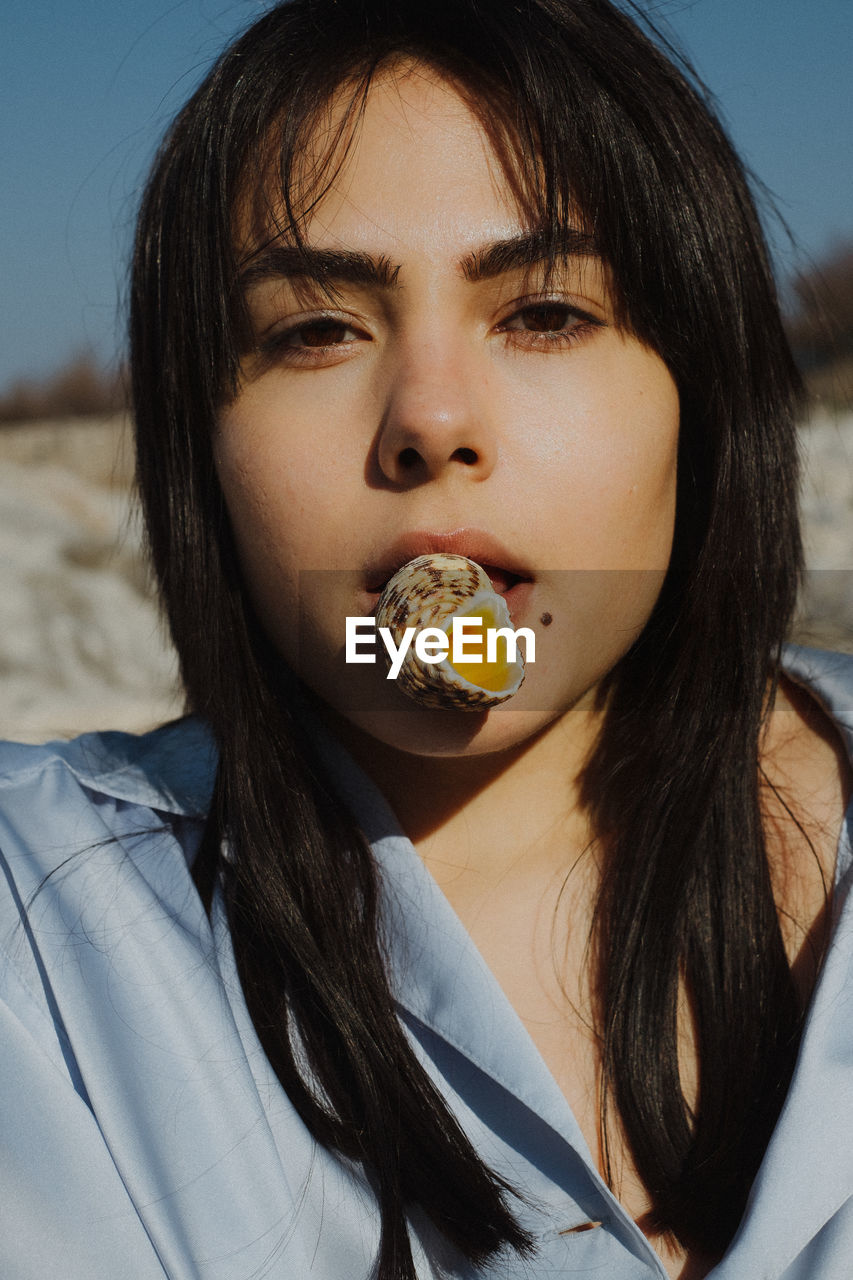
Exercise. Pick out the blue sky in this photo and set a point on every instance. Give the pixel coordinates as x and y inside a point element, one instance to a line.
<point>87,88</point>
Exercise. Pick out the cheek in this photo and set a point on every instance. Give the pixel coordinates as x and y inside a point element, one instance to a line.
<point>606,448</point>
<point>267,514</point>
<point>278,482</point>
<point>634,499</point>
<point>285,494</point>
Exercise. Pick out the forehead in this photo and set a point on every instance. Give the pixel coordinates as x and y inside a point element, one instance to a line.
<point>412,160</point>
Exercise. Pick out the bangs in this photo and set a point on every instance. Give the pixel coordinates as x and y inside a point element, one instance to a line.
<point>595,131</point>
<point>305,150</point>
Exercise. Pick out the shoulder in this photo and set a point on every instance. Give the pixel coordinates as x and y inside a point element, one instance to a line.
<point>808,741</point>
<point>828,678</point>
<point>805,754</point>
<point>109,990</point>
<point>65,797</point>
<point>170,769</point>
<point>97,837</point>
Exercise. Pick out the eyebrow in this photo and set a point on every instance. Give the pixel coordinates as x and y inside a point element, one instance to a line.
<point>284,261</point>
<point>526,250</point>
<point>330,266</point>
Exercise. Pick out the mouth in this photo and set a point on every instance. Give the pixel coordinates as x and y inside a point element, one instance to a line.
<point>507,576</point>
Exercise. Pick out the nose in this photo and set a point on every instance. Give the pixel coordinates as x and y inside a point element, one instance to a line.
<point>437,419</point>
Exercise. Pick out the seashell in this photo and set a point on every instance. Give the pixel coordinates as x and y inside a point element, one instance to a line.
<point>431,591</point>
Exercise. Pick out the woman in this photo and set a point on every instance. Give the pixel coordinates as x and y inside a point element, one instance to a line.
<point>379,989</point>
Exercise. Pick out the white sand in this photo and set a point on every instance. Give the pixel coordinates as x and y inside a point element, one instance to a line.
<point>80,642</point>
<point>81,645</point>
<point>827,506</point>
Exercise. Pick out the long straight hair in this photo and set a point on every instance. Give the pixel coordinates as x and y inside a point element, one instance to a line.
<point>598,121</point>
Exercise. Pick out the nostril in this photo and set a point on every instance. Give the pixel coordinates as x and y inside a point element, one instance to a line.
<point>468,456</point>
<point>408,459</point>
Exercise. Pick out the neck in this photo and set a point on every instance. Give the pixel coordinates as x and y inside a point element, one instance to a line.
<point>474,818</point>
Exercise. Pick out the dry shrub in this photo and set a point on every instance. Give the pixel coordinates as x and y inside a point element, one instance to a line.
<point>821,326</point>
<point>81,388</point>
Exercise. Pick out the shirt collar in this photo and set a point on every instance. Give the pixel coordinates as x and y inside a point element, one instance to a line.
<point>437,973</point>
<point>170,770</point>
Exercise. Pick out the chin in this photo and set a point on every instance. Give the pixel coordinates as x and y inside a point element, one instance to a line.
<point>453,733</point>
<point>378,710</point>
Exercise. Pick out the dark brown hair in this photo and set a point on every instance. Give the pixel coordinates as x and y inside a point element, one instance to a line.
<point>601,120</point>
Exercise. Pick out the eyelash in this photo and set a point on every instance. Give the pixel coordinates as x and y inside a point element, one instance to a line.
<point>576,326</point>
<point>581,324</point>
<point>278,345</point>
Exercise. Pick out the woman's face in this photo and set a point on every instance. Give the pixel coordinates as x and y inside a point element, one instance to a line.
<point>445,393</point>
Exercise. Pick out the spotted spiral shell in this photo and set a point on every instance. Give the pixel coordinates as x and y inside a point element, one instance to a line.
<point>428,592</point>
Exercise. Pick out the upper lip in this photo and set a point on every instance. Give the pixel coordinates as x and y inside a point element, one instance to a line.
<point>476,544</point>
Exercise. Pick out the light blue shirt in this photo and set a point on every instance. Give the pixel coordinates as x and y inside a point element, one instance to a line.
<point>144,1134</point>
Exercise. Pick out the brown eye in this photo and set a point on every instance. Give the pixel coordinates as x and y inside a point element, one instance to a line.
<point>545,318</point>
<point>549,325</point>
<point>320,333</point>
<point>322,339</point>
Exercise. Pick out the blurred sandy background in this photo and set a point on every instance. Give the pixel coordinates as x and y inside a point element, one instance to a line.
<point>81,646</point>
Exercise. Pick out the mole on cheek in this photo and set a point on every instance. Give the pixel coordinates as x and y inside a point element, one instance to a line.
<point>546,619</point>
